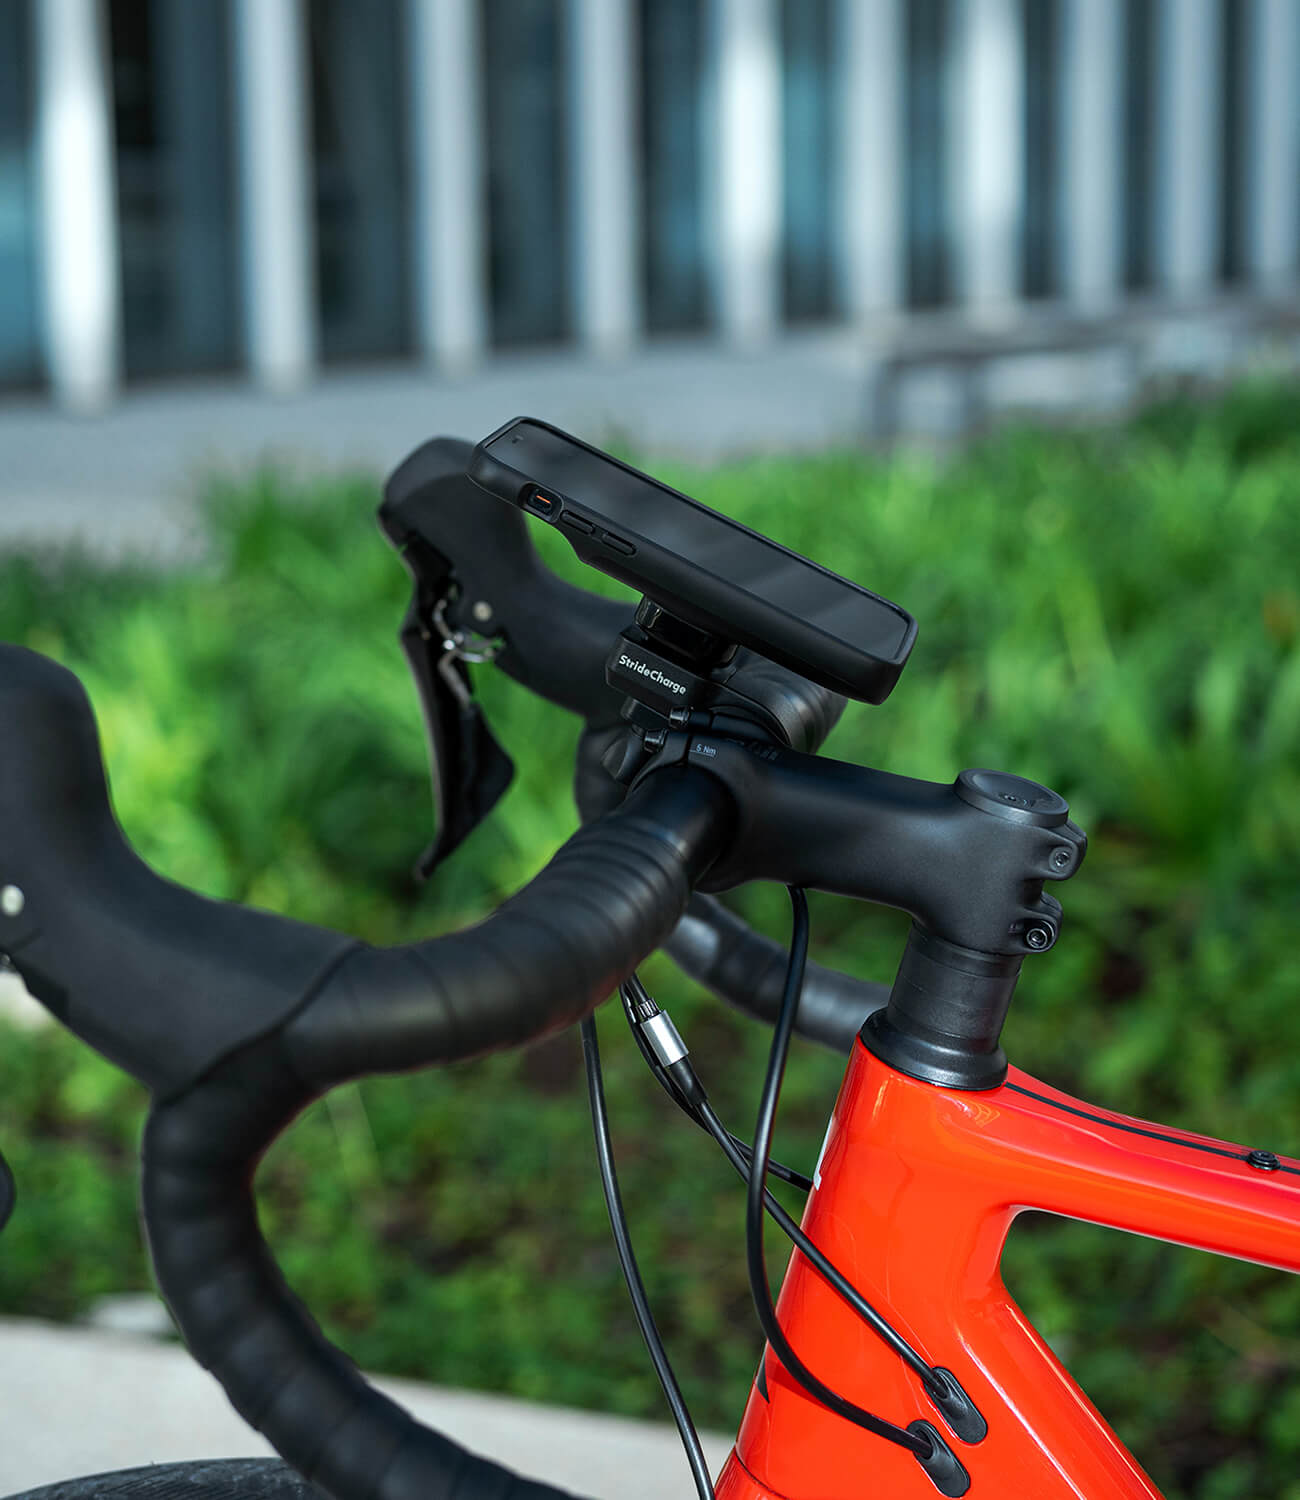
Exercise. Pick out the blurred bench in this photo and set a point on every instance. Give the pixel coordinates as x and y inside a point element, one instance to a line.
<point>1205,341</point>
<point>966,350</point>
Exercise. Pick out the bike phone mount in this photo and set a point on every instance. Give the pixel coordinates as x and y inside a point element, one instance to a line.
<point>968,860</point>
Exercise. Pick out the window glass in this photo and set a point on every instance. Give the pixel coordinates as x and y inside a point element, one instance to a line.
<point>925,163</point>
<point>175,184</point>
<point>1235,57</point>
<point>1041,268</point>
<point>360,179</point>
<point>19,353</point>
<point>524,85</point>
<point>809,156</point>
<point>673,37</point>
<point>1139,140</point>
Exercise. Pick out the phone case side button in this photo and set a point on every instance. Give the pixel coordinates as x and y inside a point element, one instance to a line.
<point>577,522</point>
<point>617,544</point>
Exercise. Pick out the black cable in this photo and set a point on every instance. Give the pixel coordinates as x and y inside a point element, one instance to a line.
<point>627,1259</point>
<point>637,1004</point>
<point>774,1168</point>
<point>917,1444</point>
<point>680,1080</point>
<point>826,1268</point>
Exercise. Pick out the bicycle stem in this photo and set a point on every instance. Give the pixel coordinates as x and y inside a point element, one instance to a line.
<point>967,860</point>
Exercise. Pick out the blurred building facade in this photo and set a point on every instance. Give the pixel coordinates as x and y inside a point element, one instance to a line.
<point>269,188</point>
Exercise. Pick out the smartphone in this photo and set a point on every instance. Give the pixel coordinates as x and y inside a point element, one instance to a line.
<point>699,564</point>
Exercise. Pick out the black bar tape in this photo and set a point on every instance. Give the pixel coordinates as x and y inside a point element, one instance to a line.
<point>155,977</point>
<point>543,960</point>
<point>722,951</point>
<point>547,957</point>
<point>242,1322</point>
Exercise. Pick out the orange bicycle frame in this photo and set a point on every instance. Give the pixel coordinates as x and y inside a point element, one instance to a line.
<point>916,1190</point>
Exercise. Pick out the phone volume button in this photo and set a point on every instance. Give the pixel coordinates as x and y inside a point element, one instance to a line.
<point>575,522</point>
<point>617,543</point>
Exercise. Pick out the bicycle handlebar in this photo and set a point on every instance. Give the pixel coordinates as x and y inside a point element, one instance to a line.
<point>160,979</point>
<point>722,951</point>
<point>108,945</point>
<point>543,960</point>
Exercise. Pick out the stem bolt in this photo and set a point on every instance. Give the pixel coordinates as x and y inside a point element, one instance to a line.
<point>1262,1161</point>
<point>12,901</point>
<point>1038,938</point>
<point>1062,857</point>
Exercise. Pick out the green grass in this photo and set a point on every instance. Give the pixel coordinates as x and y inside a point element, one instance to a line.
<point>1115,613</point>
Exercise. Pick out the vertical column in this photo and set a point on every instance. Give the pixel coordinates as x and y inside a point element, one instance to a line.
<point>1273,136</point>
<point>448,192</point>
<point>77,203</point>
<point>602,138</point>
<point>1188,135</point>
<point>988,152</point>
<point>275,190</point>
<point>1092,74</point>
<point>748,169</point>
<point>869,194</point>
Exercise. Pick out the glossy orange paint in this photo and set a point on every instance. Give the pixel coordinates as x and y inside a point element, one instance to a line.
<point>917,1189</point>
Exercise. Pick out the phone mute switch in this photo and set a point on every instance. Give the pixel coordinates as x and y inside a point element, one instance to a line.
<point>617,544</point>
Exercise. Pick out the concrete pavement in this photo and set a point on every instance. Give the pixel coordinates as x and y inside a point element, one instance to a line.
<point>82,1401</point>
<point>125,481</point>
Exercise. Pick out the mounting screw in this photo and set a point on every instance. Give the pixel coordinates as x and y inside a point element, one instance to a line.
<point>1062,857</point>
<point>482,611</point>
<point>1038,938</point>
<point>12,901</point>
<point>1262,1161</point>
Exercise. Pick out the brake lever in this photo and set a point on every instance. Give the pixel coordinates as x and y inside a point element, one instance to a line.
<point>469,769</point>
<point>481,593</point>
<point>8,1193</point>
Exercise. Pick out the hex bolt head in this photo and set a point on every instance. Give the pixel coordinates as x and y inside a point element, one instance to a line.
<point>1262,1161</point>
<point>12,901</point>
<point>482,611</point>
<point>1062,857</point>
<point>1038,938</point>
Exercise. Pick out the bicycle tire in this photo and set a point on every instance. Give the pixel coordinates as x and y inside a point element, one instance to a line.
<point>196,1479</point>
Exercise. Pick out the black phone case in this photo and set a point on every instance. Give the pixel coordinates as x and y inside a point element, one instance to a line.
<point>702,597</point>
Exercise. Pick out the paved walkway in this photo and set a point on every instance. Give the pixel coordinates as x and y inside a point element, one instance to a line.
<point>122,481</point>
<point>78,1401</point>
